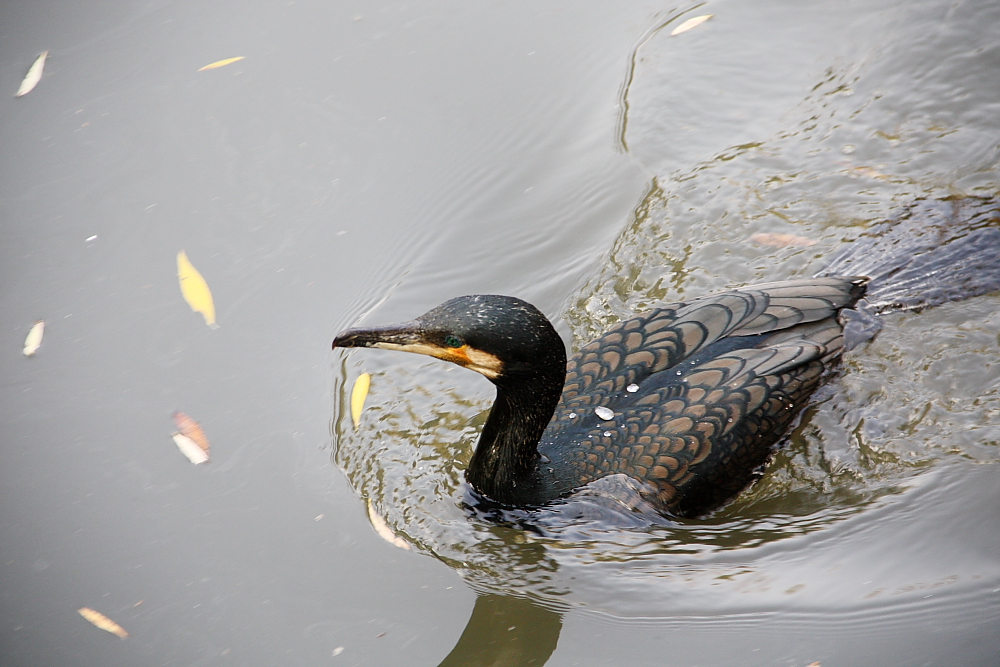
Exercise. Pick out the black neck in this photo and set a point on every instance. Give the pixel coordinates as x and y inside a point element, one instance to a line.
<point>505,462</point>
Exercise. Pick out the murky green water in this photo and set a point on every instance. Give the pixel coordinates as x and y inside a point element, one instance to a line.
<point>849,521</point>
<point>367,161</point>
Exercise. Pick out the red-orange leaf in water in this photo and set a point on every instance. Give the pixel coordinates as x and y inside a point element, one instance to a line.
<point>192,430</point>
<point>779,240</point>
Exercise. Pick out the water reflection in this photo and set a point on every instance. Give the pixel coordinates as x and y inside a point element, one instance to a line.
<point>506,631</point>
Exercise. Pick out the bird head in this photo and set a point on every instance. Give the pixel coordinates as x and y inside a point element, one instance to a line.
<point>498,336</point>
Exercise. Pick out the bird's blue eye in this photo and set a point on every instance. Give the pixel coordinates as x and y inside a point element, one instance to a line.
<point>453,341</point>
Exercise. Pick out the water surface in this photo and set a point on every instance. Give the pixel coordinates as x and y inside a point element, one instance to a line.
<point>367,161</point>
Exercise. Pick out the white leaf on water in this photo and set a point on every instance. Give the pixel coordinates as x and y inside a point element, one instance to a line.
<point>690,23</point>
<point>34,339</point>
<point>33,76</point>
<point>190,449</point>
<point>383,529</point>
<point>103,622</point>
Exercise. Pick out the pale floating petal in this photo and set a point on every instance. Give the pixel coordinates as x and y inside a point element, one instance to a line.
<point>383,529</point>
<point>102,621</point>
<point>604,413</point>
<point>190,449</point>
<point>192,430</point>
<point>221,63</point>
<point>195,290</point>
<point>33,76</point>
<point>34,339</point>
<point>358,395</point>
<point>778,240</point>
<point>690,23</point>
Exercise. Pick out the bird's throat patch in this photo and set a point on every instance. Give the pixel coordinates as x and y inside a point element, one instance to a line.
<point>482,362</point>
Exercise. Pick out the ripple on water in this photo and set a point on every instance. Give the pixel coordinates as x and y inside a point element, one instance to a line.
<point>894,463</point>
<point>821,549</point>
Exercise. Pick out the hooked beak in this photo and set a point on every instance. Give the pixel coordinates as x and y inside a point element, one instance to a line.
<point>411,337</point>
<point>393,337</point>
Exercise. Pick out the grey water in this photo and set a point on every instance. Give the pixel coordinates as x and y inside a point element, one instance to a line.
<point>366,161</point>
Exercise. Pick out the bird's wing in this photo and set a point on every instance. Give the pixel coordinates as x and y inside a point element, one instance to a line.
<point>660,339</point>
<point>696,441</point>
<point>794,302</point>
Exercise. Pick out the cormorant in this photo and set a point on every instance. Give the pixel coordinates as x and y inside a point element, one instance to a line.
<point>677,408</point>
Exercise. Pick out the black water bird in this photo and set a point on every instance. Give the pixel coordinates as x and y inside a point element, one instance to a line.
<point>676,409</point>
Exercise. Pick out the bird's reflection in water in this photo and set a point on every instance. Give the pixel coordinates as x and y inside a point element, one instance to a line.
<point>506,631</point>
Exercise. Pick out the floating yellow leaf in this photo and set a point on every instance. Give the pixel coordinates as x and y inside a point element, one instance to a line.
<point>221,63</point>
<point>779,240</point>
<point>34,339</point>
<point>192,430</point>
<point>691,23</point>
<point>195,289</point>
<point>358,395</point>
<point>33,76</point>
<point>190,449</point>
<point>383,529</point>
<point>102,621</point>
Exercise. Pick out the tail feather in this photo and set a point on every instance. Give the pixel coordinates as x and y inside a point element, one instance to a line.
<point>936,251</point>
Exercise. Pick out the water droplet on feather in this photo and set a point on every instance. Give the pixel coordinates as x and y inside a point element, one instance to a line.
<point>604,413</point>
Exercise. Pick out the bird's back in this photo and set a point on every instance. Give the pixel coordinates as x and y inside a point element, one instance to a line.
<point>682,404</point>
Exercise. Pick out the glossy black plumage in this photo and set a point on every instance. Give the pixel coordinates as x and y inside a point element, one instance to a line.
<point>715,383</point>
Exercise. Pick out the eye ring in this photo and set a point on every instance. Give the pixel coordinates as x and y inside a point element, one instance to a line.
<point>453,341</point>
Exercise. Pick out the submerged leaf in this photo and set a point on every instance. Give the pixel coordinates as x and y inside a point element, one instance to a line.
<point>221,63</point>
<point>102,621</point>
<point>195,289</point>
<point>779,240</point>
<point>358,395</point>
<point>192,430</point>
<point>33,76</point>
<point>190,449</point>
<point>383,529</point>
<point>34,339</point>
<point>691,23</point>
<point>870,173</point>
